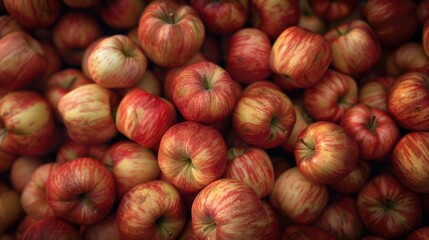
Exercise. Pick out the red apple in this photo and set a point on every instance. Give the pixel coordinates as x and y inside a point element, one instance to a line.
<point>409,161</point>
<point>274,228</point>
<point>326,153</point>
<point>404,58</point>
<point>51,228</point>
<point>165,21</point>
<point>374,93</point>
<point>106,229</point>
<point>300,56</point>
<point>152,210</point>
<point>21,170</point>
<point>333,11</point>
<point>353,182</point>
<point>70,150</point>
<point>228,209</point>
<point>34,13</point>
<point>192,155</point>
<point>9,24</point>
<point>420,233</point>
<point>149,82</point>
<point>387,208</point>
<point>305,232</point>
<point>81,191</point>
<point>122,14</point>
<point>23,224</point>
<point>81,3</point>
<point>308,20</point>
<point>297,198</point>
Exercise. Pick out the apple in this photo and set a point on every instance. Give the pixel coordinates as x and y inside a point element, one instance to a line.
<point>355,47</point>
<point>70,150</point>
<point>7,160</point>
<point>297,198</point>
<point>165,21</point>
<point>331,97</point>
<point>274,228</point>
<point>116,62</point>
<point>211,49</point>
<point>144,117</point>
<point>106,229</point>
<point>9,24</point>
<point>387,208</point>
<point>11,210</point>
<point>192,155</point>
<point>22,61</point>
<point>300,56</point>
<point>188,232</point>
<point>264,116</point>
<point>305,232</point>
<point>51,228</point>
<point>353,182</point>
<point>248,54</point>
<point>375,131</point>
<point>21,170</point>
<point>23,224</point>
<point>34,13</point>
<point>422,11</point>
<point>408,100</point>
<point>252,166</point>
<point>308,20</point>
<point>87,113</point>
<point>326,152</point>
<point>222,17</point>
<point>425,38</point>
<point>130,164</point>
<point>81,191</point>
<point>122,14</point>
<point>406,57</point>
<point>151,210</point>
<point>149,82</point>
<point>409,159</point>
<point>81,3</point>
<point>228,209</point>
<point>333,11</point>
<point>272,17</point>
<point>204,92</point>
<point>419,234</point>
<point>374,93</point>
<point>26,123</point>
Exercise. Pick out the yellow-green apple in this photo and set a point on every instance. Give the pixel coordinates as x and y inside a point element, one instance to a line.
<point>333,10</point>
<point>116,62</point>
<point>11,211</point>
<point>81,191</point>
<point>375,131</point>
<point>341,218</point>
<point>70,150</point>
<point>274,228</point>
<point>374,93</point>
<point>22,61</point>
<point>222,17</point>
<point>9,24</point>
<point>88,114</point>
<point>315,155</point>
<point>51,228</point>
<point>331,97</point>
<point>144,117</point>
<point>192,155</point>
<point>33,196</point>
<point>387,208</point>
<point>425,38</point>
<point>22,169</point>
<point>408,100</point>
<point>228,209</point>
<point>105,229</point>
<point>27,123</point>
<point>151,210</point>
<point>122,14</point>
<point>394,22</point>
<point>264,116</point>
<point>300,200</point>
<point>272,17</point>
<point>34,13</point>
<point>81,3</point>
<point>409,161</point>
<point>130,164</point>
<point>419,233</point>
<point>73,33</point>
<point>164,21</point>
<point>253,166</point>
<point>300,56</point>
<point>305,232</point>
<point>406,57</point>
<point>248,54</point>
<point>355,47</point>
<point>204,92</point>
<point>353,182</point>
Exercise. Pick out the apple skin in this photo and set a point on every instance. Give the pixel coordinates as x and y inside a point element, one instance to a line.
<point>222,17</point>
<point>422,11</point>
<point>86,112</point>
<point>144,117</point>
<point>420,233</point>
<point>264,116</point>
<point>274,228</point>
<point>272,17</point>
<point>425,37</point>
<point>305,232</point>
<point>330,97</point>
<point>151,210</point>
<point>353,182</point>
<point>333,11</point>
<point>81,191</point>
<point>387,208</point>
<point>11,211</point>
<point>51,228</point>
<point>122,14</point>
<point>22,61</point>
<point>297,198</point>
<point>149,82</point>
<point>164,21</point>
<point>81,3</point>
<point>375,131</point>
<point>204,92</point>
<point>315,157</point>
<point>26,123</point>
<point>70,150</point>
<point>248,54</point>
<point>9,24</point>
<point>374,93</point>
<point>408,100</point>
<point>106,229</point>
<point>355,47</point>
<point>34,13</point>
<point>313,51</point>
<point>23,224</point>
<point>7,160</point>
<point>116,62</point>
<point>228,209</point>
<point>406,57</point>
<point>409,161</point>
<point>188,232</point>
<point>21,170</point>
<point>252,166</point>
<point>192,155</point>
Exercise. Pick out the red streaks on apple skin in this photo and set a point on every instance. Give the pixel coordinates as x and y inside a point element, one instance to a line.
<point>34,14</point>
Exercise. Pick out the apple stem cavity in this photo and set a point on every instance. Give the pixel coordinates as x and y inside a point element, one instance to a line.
<point>206,83</point>
<point>306,144</point>
<point>210,226</point>
<point>159,223</point>
<point>372,123</point>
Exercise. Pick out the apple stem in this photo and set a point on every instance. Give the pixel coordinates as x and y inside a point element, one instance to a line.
<point>171,14</point>
<point>211,225</point>
<point>338,31</point>
<point>372,123</point>
<point>206,83</point>
<point>303,142</point>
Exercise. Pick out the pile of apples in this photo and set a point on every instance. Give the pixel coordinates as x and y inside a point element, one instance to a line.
<point>214,119</point>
